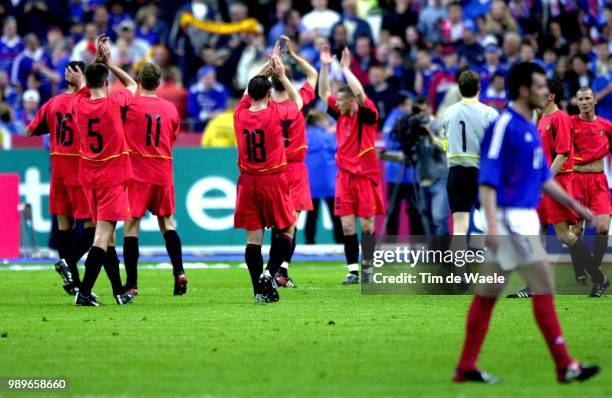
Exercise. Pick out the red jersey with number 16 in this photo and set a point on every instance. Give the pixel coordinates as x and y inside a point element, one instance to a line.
<point>151,127</point>
<point>261,148</point>
<point>105,160</point>
<point>556,137</point>
<point>55,117</point>
<point>591,139</point>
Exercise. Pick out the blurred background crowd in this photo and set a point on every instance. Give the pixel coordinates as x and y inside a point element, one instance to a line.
<point>406,53</point>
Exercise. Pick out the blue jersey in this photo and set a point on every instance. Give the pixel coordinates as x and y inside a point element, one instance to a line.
<point>512,161</point>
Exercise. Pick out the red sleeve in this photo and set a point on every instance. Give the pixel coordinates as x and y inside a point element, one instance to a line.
<point>245,103</point>
<point>39,125</point>
<point>307,92</point>
<point>122,97</point>
<point>78,96</point>
<point>332,104</point>
<point>563,139</point>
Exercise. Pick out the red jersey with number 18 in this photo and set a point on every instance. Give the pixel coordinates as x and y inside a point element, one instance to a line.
<point>105,160</point>
<point>55,117</point>
<point>259,135</point>
<point>151,127</point>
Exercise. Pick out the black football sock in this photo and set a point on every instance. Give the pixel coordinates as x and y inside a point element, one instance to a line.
<point>368,243</point>
<point>111,267</point>
<point>93,265</point>
<point>283,244</point>
<point>175,251</point>
<point>254,261</point>
<point>64,240</point>
<point>599,248</point>
<point>80,246</point>
<point>580,254</point>
<point>284,269</point>
<point>130,260</point>
<point>351,252</point>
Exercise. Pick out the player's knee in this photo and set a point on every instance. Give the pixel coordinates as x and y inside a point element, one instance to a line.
<point>567,238</point>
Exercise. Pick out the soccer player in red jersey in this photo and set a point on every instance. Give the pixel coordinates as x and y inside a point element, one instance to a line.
<point>295,147</point>
<point>591,138</point>
<point>263,198</point>
<point>67,199</point>
<point>105,167</point>
<point>151,127</point>
<point>358,183</point>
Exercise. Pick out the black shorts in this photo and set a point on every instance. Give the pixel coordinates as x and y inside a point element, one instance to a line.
<point>462,188</point>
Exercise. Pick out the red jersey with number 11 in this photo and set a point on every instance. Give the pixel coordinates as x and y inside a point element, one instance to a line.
<point>260,138</point>
<point>151,126</point>
<point>105,160</point>
<point>55,117</point>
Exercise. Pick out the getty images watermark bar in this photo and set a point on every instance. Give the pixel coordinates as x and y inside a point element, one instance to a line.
<point>33,384</point>
<point>418,265</point>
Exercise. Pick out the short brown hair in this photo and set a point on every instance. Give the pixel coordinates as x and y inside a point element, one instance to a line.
<point>149,76</point>
<point>469,83</point>
<point>345,89</point>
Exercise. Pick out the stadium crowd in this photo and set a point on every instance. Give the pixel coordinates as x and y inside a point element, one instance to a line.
<point>407,53</point>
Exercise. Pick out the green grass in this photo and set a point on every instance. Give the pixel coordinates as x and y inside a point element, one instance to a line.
<point>321,340</point>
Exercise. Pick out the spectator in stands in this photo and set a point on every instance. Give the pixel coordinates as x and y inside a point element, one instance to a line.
<point>8,125</point>
<point>8,94</point>
<point>499,18</point>
<point>444,78</point>
<point>555,39</point>
<point>10,44</point>
<point>383,94</point>
<point>101,20</point>
<point>602,85</point>
<point>150,28</point>
<point>117,14</point>
<point>402,183</point>
<point>321,19</point>
<point>579,75</point>
<point>137,49</point>
<point>207,98</point>
<point>219,131</point>
<point>251,59</point>
<point>355,26</point>
<point>550,59</point>
<point>85,49</point>
<point>528,52</point>
<point>397,19</point>
<point>278,21</point>
<point>414,40</point>
<point>338,40</point>
<point>599,65</point>
<point>454,13</point>
<point>512,49</point>
<point>363,59</point>
<point>289,25</point>
<point>424,69</point>
<point>495,93</point>
<point>33,60</point>
<point>321,162</point>
<point>471,52</point>
<point>429,21</point>
<point>171,89</point>
<point>27,113</point>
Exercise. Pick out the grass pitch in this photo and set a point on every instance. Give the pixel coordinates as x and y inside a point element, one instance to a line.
<point>321,340</point>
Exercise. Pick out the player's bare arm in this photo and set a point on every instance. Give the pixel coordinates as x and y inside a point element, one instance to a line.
<point>311,73</point>
<point>278,69</point>
<point>104,56</point>
<point>488,199</point>
<point>558,163</point>
<point>555,191</point>
<point>351,79</point>
<point>324,85</point>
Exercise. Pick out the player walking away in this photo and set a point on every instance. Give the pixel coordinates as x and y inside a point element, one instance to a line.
<point>592,136</point>
<point>67,198</point>
<point>263,198</point>
<point>555,134</point>
<point>105,168</point>
<point>151,127</point>
<point>463,126</point>
<point>358,183</point>
<point>512,174</point>
<point>295,147</point>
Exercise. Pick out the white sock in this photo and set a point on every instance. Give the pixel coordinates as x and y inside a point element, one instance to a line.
<point>285,265</point>
<point>353,267</point>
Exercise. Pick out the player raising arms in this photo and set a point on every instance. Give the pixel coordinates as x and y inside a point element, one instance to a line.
<point>513,172</point>
<point>591,139</point>
<point>263,198</point>
<point>295,147</point>
<point>556,137</point>
<point>358,184</point>
<point>67,198</point>
<point>151,126</point>
<point>105,167</point>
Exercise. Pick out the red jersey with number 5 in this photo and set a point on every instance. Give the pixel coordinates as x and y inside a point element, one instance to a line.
<point>151,126</point>
<point>260,137</point>
<point>295,134</point>
<point>55,117</point>
<point>591,139</point>
<point>556,137</point>
<point>105,160</point>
